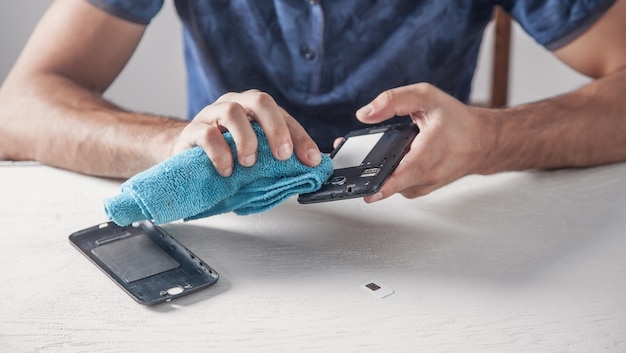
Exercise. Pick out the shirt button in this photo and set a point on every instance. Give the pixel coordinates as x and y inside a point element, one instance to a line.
<point>307,52</point>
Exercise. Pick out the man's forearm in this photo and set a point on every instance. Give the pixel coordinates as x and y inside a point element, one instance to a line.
<point>50,119</point>
<point>584,128</point>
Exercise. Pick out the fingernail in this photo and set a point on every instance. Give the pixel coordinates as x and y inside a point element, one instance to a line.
<point>250,160</point>
<point>314,156</point>
<point>227,172</point>
<point>376,197</point>
<point>285,151</point>
<point>364,111</point>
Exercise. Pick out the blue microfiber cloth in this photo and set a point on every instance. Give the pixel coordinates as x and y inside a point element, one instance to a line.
<point>187,186</point>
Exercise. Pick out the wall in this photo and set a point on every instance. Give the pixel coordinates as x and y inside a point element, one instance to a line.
<point>154,80</point>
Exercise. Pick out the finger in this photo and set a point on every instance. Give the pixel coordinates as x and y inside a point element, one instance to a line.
<point>406,175</point>
<point>209,137</point>
<point>232,117</point>
<point>217,150</point>
<point>418,191</point>
<point>272,118</point>
<point>410,192</point>
<point>235,119</point>
<point>305,148</point>
<point>399,101</point>
<point>396,182</point>
<point>337,142</point>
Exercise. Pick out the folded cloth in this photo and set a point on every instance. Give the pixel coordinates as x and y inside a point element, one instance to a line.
<point>187,186</point>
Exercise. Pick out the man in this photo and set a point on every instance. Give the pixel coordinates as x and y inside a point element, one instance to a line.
<point>289,64</point>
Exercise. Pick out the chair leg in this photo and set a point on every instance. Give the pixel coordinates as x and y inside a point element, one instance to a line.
<point>501,58</point>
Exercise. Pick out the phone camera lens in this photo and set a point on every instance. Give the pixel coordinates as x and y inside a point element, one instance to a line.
<point>339,180</point>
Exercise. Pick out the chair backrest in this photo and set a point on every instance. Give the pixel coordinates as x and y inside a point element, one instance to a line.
<point>501,58</point>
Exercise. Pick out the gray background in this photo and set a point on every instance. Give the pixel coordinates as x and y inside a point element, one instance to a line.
<point>154,80</point>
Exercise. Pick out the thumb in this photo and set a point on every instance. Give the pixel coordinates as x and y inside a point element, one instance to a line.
<point>398,101</point>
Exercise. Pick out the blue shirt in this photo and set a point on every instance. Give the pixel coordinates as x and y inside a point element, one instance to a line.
<point>321,60</point>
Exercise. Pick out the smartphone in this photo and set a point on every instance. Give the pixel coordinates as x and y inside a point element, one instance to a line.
<point>146,262</point>
<point>363,161</point>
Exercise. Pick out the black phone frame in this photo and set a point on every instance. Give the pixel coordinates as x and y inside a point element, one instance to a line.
<point>368,177</point>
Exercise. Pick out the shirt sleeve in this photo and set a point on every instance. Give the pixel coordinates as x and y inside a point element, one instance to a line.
<point>137,11</point>
<point>554,23</point>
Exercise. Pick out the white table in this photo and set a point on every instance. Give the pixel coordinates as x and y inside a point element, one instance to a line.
<point>515,262</point>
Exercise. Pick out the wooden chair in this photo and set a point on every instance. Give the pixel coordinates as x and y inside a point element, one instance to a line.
<point>501,58</point>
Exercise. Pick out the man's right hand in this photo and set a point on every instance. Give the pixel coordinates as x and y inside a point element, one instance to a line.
<point>233,112</point>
